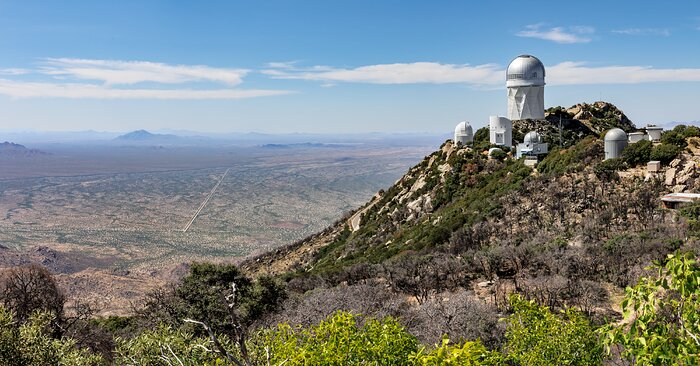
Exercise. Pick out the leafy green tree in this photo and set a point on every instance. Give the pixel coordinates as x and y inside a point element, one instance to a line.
<point>637,153</point>
<point>692,214</point>
<point>607,169</point>
<point>202,296</point>
<point>167,346</point>
<point>661,316</point>
<point>691,131</point>
<point>536,336</point>
<point>675,137</point>
<point>31,343</point>
<point>338,340</point>
<point>665,153</point>
<point>466,354</point>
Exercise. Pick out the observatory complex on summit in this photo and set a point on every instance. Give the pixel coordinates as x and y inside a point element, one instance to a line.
<point>525,85</point>
<point>525,92</point>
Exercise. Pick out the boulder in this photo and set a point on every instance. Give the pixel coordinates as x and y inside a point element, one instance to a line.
<point>670,176</point>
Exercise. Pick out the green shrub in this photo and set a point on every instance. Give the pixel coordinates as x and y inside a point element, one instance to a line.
<point>499,155</point>
<point>665,153</point>
<point>691,131</point>
<point>167,346</point>
<point>32,344</point>
<point>661,313</point>
<point>338,340</point>
<point>535,336</point>
<point>467,354</point>
<point>575,158</point>
<point>675,137</point>
<point>607,169</point>
<point>637,153</point>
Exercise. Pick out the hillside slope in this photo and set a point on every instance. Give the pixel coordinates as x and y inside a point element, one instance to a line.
<point>460,228</point>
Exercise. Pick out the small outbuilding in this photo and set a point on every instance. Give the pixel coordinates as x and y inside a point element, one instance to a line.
<point>654,166</point>
<point>633,137</point>
<point>615,142</point>
<point>654,132</point>
<point>677,200</point>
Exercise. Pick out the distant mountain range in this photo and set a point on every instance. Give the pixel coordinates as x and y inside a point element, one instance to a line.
<point>143,135</point>
<point>12,149</point>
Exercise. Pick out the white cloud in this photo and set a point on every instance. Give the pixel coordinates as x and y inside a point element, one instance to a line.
<point>115,72</point>
<point>571,73</point>
<point>14,71</point>
<point>99,79</point>
<point>573,34</point>
<point>565,73</point>
<point>643,32</point>
<point>398,73</point>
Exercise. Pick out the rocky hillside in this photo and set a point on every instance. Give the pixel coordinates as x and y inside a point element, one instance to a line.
<point>574,232</point>
<point>578,121</point>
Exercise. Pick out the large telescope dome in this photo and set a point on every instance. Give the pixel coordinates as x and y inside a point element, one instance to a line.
<point>525,70</point>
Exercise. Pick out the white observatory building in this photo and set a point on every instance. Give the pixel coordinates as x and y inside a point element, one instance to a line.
<point>500,131</point>
<point>525,83</point>
<point>464,133</point>
<point>615,142</point>
<point>532,145</point>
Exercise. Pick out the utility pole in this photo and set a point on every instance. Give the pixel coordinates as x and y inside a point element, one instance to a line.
<point>560,139</point>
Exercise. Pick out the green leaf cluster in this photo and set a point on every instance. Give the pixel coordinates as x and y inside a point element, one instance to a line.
<point>661,316</point>
<point>32,344</point>
<point>536,336</point>
<point>338,340</point>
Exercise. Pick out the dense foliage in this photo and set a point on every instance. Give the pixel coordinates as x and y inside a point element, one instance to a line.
<point>662,316</point>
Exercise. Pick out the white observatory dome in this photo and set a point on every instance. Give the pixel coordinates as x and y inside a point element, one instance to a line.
<point>464,133</point>
<point>616,134</point>
<point>615,142</point>
<point>525,84</point>
<point>525,70</point>
<point>532,137</point>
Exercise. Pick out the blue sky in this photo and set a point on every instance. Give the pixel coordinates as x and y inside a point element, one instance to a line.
<point>334,66</point>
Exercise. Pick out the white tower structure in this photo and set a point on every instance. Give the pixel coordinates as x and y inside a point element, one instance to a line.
<point>501,131</point>
<point>464,133</point>
<point>615,142</point>
<point>525,82</point>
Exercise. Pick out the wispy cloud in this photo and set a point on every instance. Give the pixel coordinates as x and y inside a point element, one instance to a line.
<point>397,73</point>
<point>643,31</point>
<point>115,79</point>
<point>565,73</point>
<point>22,89</point>
<point>575,34</point>
<point>571,73</point>
<point>115,72</point>
<point>14,71</point>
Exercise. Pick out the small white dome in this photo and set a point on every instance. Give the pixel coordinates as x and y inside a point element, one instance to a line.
<point>464,128</point>
<point>463,133</point>
<point>615,134</point>
<point>532,137</point>
<point>493,150</point>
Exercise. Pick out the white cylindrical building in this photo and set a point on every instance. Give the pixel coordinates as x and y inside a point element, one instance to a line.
<point>615,142</point>
<point>501,131</point>
<point>525,82</point>
<point>464,133</point>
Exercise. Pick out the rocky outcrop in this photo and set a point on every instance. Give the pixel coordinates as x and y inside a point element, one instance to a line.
<point>682,174</point>
<point>577,122</point>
